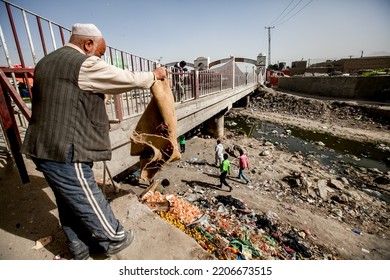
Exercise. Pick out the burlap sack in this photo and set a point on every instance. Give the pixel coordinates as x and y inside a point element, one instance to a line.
<point>154,138</point>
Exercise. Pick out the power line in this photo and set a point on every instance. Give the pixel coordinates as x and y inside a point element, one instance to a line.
<point>292,9</point>
<point>275,20</point>
<point>283,21</point>
<point>295,13</point>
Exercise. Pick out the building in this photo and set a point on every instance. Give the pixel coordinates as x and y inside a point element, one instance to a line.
<point>345,65</point>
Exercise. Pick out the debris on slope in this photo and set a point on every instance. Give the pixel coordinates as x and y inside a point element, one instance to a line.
<point>226,228</point>
<point>352,114</point>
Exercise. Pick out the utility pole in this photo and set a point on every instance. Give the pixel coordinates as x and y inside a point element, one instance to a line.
<point>269,43</point>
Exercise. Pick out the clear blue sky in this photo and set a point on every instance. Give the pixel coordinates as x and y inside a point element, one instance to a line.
<point>176,29</point>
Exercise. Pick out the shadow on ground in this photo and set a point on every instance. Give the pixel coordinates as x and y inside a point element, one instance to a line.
<point>29,213</point>
<point>194,183</point>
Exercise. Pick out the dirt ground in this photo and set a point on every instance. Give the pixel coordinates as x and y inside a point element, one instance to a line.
<point>292,191</point>
<point>298,191</point>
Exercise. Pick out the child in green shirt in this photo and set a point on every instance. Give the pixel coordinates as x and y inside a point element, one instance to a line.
<point>225,169</point>
<point>182,139</point>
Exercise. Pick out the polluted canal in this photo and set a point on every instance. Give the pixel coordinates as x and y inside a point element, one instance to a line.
<point>335,153</point>
<point>327,149</point>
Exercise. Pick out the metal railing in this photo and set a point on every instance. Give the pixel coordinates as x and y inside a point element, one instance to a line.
<point>27,37</point>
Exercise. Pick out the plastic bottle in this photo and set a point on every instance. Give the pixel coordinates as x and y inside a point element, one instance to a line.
<point>357,231</point>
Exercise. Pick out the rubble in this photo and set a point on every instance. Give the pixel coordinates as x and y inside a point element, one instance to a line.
<point>355,115</point>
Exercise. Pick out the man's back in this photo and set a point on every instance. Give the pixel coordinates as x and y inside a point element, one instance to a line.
<point>219,149</point>
<point>62,113</point>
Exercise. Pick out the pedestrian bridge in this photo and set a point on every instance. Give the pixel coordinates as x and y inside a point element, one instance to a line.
<point>203,96</point>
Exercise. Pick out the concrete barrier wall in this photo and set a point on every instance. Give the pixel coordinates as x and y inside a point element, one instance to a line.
<point>361,88</point>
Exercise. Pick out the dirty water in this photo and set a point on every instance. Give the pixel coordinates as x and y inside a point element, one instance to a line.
<point>336,154</point>
<point>326,149</point>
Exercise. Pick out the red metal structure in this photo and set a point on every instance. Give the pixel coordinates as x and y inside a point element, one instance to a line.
<point>274,75</point>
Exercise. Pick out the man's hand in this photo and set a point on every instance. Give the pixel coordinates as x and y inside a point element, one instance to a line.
<point>160,73</point>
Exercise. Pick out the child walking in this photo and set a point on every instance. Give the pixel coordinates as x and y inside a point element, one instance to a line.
<point>225,169</point>
<point>182,139</point>
<point>244,164</point>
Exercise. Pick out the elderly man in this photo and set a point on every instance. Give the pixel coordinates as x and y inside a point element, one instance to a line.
<point>69,130</point>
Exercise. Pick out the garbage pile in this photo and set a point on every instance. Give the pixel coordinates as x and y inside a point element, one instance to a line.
<point>178,207</point>
<point>277,101</point>
<point>227,229</point>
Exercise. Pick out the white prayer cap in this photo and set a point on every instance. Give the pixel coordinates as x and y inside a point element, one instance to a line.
<point>86,29</point>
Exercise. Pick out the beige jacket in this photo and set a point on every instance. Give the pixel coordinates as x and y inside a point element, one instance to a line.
<point>96,75</point>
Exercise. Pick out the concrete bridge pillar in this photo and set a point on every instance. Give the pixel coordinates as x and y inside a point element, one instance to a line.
<point>246,101</point>
<point>215,125</point>
<point>243,102</point>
